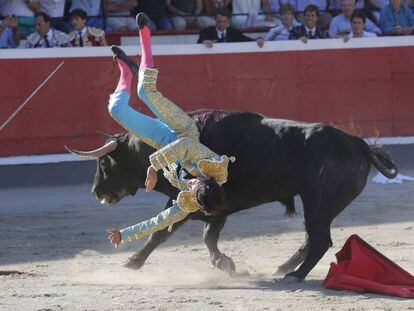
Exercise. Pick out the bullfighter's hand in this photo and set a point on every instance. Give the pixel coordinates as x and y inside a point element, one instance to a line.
<point>114,236</point>
<point>151,179</point>
<point>304,39</point>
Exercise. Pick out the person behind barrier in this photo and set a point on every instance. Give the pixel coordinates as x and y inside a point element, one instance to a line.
<point>45,36</point>
<point>82,35</point>
<point>223,32</point>
<point>282,31</point>
<point>9,37</point>
<point>341,24</point>
<point>309,30</point>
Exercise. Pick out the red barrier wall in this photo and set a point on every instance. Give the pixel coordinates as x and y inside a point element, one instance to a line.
<point>372,87</point>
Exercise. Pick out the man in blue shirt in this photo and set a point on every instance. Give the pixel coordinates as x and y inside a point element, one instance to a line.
<point>397,19</point>
<point>341,24</point>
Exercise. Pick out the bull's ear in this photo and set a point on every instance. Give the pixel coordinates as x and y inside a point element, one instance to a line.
<point>106,136</point>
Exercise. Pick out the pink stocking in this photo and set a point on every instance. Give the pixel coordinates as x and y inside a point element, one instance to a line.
<point>146,58</point>
<point>125,78</point>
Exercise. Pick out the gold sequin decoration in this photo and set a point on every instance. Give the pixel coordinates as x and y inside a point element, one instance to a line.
<point>187,202</point>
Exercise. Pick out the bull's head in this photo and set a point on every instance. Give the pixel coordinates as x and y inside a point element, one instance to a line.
<point>121,167</point>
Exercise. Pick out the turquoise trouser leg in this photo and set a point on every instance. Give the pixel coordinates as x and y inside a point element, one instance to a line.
<point>164,219</point>
<point>153,132</point>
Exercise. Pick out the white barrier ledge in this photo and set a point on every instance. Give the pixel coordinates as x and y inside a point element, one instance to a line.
<point>224,48</point>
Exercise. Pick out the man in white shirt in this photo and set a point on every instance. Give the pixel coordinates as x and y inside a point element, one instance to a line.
<point>341,24</point>
<point>55,9</point>
<point>281,31</point>
<point>45,36</point>
<point>358,20</point>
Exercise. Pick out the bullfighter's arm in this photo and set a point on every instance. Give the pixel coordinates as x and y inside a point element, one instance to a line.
<point>181,149</point>
<point>164,219</point>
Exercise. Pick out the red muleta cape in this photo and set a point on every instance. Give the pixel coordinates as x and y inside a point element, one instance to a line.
<point>361,268</point>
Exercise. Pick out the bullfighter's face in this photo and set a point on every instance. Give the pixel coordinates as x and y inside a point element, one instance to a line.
<point>193,185</point>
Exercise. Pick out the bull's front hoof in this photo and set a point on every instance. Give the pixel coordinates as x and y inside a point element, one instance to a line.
<point>290,279</point>
<point>225,263</point>
<point>134,263</point>
<point>283,270</point>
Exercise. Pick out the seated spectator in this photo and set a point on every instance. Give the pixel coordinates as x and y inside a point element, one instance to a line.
<point>93,10</point>
<point>397,19</point>
<point>358,20</point>
<point>281,32</point>
<point>84,35</point>
<point>341,24</point>
<point>375,7</point>
<point>272,7</point>
<point>186,14</point>
<point>246,14</point>
<point>118,12</point>
<point>9,37</point>
<point>336,5</point>
<point>324,17</point>
<point>211,6</point>
<point>309,30</point>
<point>24,10</point>
<point>45,36</point>
<point>223,32</point>
<point>55,9</point>
<point>157,12</point>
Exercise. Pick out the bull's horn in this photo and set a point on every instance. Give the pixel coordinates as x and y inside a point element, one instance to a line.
<point>105,136</point>
<point>94,154</point>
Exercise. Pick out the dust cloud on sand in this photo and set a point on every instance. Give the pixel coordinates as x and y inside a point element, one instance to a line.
<point>56,237</point>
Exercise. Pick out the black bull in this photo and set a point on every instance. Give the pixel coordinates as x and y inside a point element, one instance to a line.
<point>275,161</point>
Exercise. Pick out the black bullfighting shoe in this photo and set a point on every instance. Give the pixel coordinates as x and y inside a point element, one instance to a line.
<point>119,54</point>
<point>143,20</point>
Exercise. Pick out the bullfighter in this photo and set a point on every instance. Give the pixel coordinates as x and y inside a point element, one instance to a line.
<point>175,137</point>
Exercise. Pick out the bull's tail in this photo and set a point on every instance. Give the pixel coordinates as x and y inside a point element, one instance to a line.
<point>380,159</point>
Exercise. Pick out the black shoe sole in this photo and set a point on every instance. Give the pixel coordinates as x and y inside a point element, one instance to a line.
<point>119,54</point>
<point>142,20</point>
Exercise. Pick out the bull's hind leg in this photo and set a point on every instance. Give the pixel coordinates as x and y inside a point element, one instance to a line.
<point>319,242</point>
<point>321,205</point>
<point>211,234</point>
<point>137,260</point>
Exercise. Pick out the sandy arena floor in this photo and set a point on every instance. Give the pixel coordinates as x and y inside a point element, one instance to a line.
<point>56,235</point>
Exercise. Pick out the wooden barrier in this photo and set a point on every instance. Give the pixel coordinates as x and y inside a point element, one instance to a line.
<point>365,83</point>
